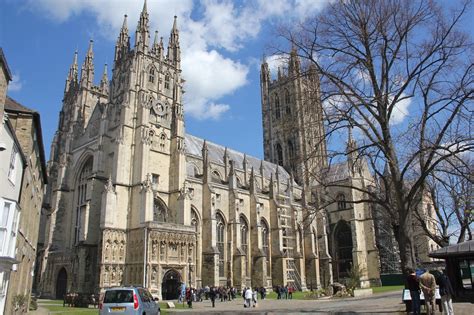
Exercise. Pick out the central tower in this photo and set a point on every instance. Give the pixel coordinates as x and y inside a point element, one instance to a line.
<point>293,131</point>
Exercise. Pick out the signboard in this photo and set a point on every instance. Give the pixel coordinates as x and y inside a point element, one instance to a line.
<point>407,297</point>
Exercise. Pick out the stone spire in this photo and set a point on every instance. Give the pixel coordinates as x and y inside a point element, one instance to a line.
<point>351,151</point>
<point>142,34</point>
<point>122,47</point>
<point>87,70</point>
<point>71,80</point>
<point>294,62</point>
<point>174,52</point>
<point>157,48</point>
<point>104,82</point>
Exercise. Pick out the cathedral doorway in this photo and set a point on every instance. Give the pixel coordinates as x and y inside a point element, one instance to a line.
<point>343,249</point>
<point>171,284</point>
<point>61,284</point>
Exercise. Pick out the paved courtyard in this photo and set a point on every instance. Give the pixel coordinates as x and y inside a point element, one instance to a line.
<point>385,303</point>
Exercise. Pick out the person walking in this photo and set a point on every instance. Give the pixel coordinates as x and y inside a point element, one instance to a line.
<point>248,297</point>
<point>428,286</point>
<point>414,286</point>
<point>212,296</point>
<point>254,297</point>
<point>446,291</point>
<point>278,292</point>
<point>290,292</point>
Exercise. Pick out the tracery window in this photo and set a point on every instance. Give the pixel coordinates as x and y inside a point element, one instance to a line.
<point>220,226</point>
<point>265,246</point>
<point>167,81</point>
<point>291,155</point>
<point>160,211</point>
<point>341,202</point>
<point>287,102</point>
<point>277,107</point>
<point>151,75</point>
<point>279,152</point>
<point>81,200</point>
<point>244,235</point>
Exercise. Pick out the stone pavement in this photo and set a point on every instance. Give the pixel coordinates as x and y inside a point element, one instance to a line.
<point>386,303</point>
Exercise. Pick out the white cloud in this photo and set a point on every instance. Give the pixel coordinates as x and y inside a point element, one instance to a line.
<point>16,84</point>
<point>223,27</point>
<point>401,110</point>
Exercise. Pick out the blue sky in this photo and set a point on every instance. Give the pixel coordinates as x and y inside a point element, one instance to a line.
<point>222,45</point>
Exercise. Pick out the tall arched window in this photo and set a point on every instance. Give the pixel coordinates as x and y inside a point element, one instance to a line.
<point>244,240</point>
<point>195,224</point>
<point>160,211</point>
<point>220,227</point>
<point>343,240</point>
<point>341,202</point>
<point>292,155</point>
<point>265,245</point>
<point>81,200</point>
<point>167,81</point>
<point>277,107</point>
<point>151,75</point>
<point>279,152</point>
<point>287,102</point>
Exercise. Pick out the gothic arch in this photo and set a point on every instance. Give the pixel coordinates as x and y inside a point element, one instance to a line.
<point>341,201</point>
<point>85,156</point>
<point>151,74</point>
<point>61,283</point>
<point>279,154</point>
<point>221,240</point>
<point>160,210</point>
<point>342,249</point>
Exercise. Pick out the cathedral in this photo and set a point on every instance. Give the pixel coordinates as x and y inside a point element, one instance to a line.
<point>133,199</point>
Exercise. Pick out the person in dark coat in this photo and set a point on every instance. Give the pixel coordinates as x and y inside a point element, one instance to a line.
<point>212,296</point>
<point>414,286</point>
<point>446,291</point>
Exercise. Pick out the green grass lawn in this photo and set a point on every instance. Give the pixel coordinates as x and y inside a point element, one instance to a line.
<point>57,306</point>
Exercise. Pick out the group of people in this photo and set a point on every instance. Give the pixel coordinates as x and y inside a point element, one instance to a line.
<point>426,283</point>
<point>284,292</point>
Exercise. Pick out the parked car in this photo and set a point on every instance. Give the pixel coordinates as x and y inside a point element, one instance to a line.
<point>128,301</point>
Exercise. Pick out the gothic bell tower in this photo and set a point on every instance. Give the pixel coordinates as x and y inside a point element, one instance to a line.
<point>293,131</point>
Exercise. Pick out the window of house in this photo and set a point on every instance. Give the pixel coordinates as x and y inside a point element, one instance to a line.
<point>341,202</point>
<point>4,226</point>
<point>12,170</point>
<point>291,155</point>
<point>151,75</point>
<point>160,211</point>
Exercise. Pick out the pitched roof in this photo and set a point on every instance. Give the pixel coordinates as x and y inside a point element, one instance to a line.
<point>14,107</point>
<point>193,146</point>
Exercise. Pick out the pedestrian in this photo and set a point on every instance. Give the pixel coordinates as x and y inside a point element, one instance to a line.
<point>285,291</point>
<point>254,297</point>
<point>290,292</point>
<point>189,297</point>
<point>446,291</point>
<point>428,286</point>
<point>278,292</point>
<point>248,297</point>
<point>414,286</point>
<point>212,296</point>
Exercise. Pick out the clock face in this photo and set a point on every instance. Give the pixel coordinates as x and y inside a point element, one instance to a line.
<point>158,108</point>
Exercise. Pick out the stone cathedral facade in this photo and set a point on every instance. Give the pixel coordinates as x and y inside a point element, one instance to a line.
<point>134,200</point>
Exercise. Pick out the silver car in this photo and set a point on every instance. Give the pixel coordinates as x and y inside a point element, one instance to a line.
<point>128,301</point>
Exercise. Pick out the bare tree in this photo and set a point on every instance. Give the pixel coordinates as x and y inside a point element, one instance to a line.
<point>400,73</point>
<point>451,190</point>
